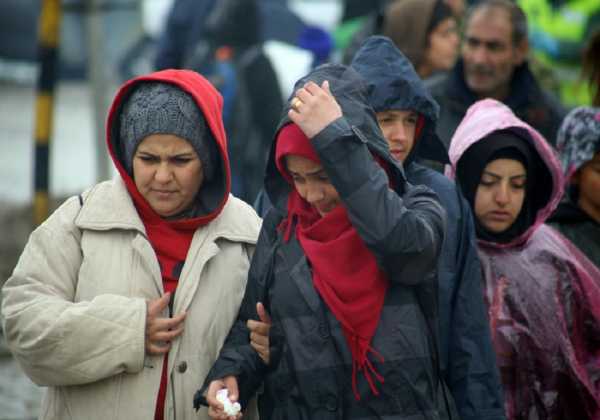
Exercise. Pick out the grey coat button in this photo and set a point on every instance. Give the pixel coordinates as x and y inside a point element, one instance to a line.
<point>323,330</point>
<point>182,367</point>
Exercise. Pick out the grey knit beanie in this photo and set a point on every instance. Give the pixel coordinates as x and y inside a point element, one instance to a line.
<point>163,108</point>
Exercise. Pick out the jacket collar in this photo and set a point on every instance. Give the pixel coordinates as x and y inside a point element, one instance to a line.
<point>523,88</point>
<point>108,205</point>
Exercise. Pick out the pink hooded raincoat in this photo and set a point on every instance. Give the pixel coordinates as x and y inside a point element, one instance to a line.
<point>543,297</point>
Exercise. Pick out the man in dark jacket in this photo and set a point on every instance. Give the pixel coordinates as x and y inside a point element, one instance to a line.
<point>258,100</point>
<point>493,64</point>
<point>407,114</point>
<point>184,29</point>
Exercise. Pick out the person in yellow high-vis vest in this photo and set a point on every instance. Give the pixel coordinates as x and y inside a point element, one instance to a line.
<point>558,31</point>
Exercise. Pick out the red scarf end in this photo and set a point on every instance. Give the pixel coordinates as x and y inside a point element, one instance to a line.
<point>368,371</point>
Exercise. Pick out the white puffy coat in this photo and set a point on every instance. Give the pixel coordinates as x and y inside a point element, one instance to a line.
<point>75,307</point>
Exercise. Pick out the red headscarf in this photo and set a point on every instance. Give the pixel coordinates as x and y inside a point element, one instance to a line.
<point>344,271</point>
<point>171,239</point>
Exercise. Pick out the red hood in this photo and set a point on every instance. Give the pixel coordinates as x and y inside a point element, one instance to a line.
<point>209,101</point>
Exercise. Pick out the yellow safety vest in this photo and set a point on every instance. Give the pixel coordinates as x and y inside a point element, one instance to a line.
<point>567,23</point>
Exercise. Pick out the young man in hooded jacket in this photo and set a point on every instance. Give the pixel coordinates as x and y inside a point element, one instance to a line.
<point>407,115</point>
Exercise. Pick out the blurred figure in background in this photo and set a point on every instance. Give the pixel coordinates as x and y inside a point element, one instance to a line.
<point>407,114</point>
<point>357,24</point>
<point>558,33</point>
<point>254,100</point>
<point>359,8</point>
<point>543,294</point>
<point>493,64</point>
<point>578,216</point>
<point>591,66</point>
<point>184,29</point>
<point>421,29</point>
<point>426,32</point>
<point>186,34</point>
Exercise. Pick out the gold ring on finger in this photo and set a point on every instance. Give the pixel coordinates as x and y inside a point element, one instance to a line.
<point>296,102</point>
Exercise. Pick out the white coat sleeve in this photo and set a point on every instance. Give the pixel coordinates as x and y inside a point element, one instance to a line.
<point>57,341</point>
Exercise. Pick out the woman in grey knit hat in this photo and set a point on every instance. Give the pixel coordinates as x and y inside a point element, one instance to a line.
<point>122,299</point>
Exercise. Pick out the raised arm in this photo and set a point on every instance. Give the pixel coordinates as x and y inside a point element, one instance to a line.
<point>405,232</point>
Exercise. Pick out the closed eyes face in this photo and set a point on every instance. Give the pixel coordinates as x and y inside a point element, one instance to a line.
<point>168,173</point>
<point>399,129</point>
<point>500,194</point>
<point>312,183</point>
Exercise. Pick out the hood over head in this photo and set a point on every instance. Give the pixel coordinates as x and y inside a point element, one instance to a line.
<point>154,108</point>
<point>179,102</point>
<point>393,84</point>
<point>490,131</point>
<point>409,22</point>
<point>350,91</point>
<point>578,139</point>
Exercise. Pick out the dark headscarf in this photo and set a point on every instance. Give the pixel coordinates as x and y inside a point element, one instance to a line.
<point>408,23</point>
<point>577,143</point>
<point>503,144</point>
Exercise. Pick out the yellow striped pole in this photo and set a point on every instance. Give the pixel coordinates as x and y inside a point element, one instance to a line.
<point>49,29</point>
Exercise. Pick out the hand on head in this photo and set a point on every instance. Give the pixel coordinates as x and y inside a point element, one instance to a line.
<point>161,331</point>
<point>314,108</point>
<point>215,408</point>
<point>259,332</point>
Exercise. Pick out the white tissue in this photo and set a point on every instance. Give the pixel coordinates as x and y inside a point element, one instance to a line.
<point>231,409</point>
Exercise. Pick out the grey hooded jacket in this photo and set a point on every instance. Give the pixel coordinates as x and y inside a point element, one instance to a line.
<point>309,376</point>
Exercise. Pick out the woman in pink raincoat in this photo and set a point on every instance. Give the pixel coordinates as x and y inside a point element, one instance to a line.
<point>543,295</point>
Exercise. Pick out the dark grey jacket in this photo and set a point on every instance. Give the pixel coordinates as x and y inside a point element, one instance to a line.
<point>579,228</point>
<point>310,372</point>
<point>527,100</point>
<point>468,358</point>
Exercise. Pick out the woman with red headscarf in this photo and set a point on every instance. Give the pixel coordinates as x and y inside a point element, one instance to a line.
<point>345,266</point>
<point>122,299</point>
